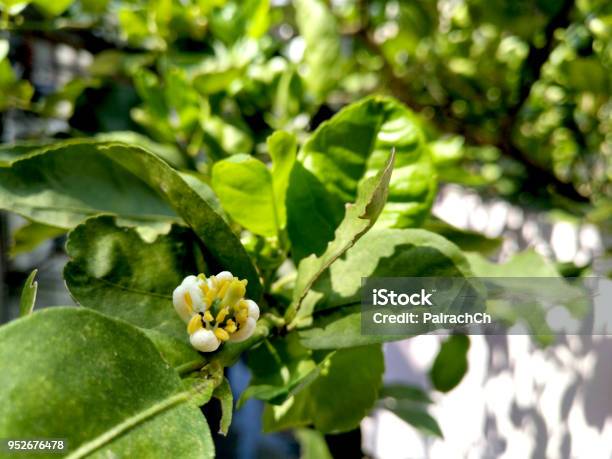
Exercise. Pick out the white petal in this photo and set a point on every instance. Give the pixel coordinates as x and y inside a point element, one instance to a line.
<point>204,340</point>
<point>245,331</point>
<point>224,275</point>
<point>253,309</point>
<point>191,285</point>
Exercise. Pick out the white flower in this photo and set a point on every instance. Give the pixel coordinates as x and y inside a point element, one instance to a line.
<point>188,298</point>
<point>247,329</point>
<point>215,310</point>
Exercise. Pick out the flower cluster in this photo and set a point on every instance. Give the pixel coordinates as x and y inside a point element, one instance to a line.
<point>215,310</point>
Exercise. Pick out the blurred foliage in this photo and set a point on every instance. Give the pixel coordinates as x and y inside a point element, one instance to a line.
<point>515,96</point>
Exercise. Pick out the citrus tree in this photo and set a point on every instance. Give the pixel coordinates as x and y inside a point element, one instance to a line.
<point>228,172</point>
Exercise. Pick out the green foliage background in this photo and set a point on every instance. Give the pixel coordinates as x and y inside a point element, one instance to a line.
<point>254,135</point>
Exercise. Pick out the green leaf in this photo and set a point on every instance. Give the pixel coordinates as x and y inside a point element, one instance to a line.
<point>28,295</point>
<point>524,264</point>
<point>14,6</point>
<point>282,147</point>
<point>359,218</point>
<point>114,271</point>
<point>252,194</point>
<point>405,392</point>
<point>223,393</point>
<point>451,363</point>
<point>280,368</point>
<point>244,186</point>
<point>319,28</point>
<point>409,404</point>
<point>177,353</point>
<point>259,20</point>
<point>63,184</point>
<point>338,399</point>
<point>469,241</point>
<point>418,418</point>
<point>29,236</point>
<point>11,152</point>
<point>356,142</point>
<point>336,296</point>
<point>100,384</point>
<point>54,8</point>
<point>312,444</point>
<point>221,243</point>
<point>313,214</point>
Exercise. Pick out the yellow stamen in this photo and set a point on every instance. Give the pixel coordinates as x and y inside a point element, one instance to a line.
<point>234,293</point>
<point>242,316</point>
<point>194,324</point>
<point>202,277</point>
<point>208,317</point>
<point>222,314</point>
<point>242,304</point>
<point>221,334</point>
<point>231,326</point>
<point>210,296</point>
<point>223,288</point>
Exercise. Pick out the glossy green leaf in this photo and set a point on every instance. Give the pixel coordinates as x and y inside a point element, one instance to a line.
<point>359,218</point>
<point>29,236</point>
<point>63,184</point>
<point>313,214</point>
<point>100,384</point>
<point>318,27</point>
<point>338,399</point>
<point>223,392</point>
<point>244,186</point>
<point>451,363</point>
<point>356,142</point>
<point>28,295</point>
<point>335,297</point>
<point>340,329</point>
<point>111,271</point>
<point>253,194</point>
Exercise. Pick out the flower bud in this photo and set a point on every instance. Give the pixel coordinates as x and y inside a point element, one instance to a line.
<point>204,340</point>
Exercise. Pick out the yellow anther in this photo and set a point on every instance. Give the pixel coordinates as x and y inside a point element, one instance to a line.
<point>202,277</point>
<point>223,288</point>
<point>231,326</point>
<point>241,316</point>
<point>222,334</point>
<point>194,324</point>
<point>210,296</point>
<point>234,293</point>
<point>222,314</point>
<point>208,317</point>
